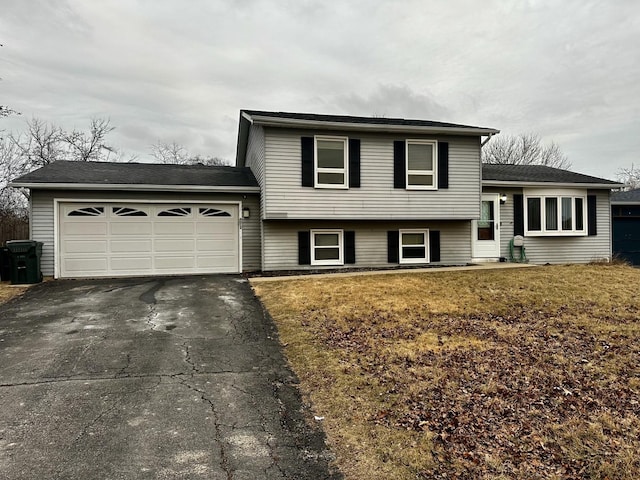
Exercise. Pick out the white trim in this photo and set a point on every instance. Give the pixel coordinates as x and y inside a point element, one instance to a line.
<point>542,195</point>
<point>340,246</point>
<point>344,170</point>
<point>58,201</point>
<point>427,252</point>
<point>133,187</point>
<point>283,122</point>
<point>434,163</point>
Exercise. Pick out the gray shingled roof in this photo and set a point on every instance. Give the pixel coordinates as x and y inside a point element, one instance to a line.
<point>105,173</point>
<point>538,174</point>
<point>630,196</point>
<point>351,119</point>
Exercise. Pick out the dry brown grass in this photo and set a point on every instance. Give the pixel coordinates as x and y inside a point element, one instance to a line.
<point>528,373</point>
<point>7,291</point>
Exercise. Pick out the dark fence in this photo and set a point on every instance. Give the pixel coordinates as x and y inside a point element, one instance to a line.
<point>13,228</point>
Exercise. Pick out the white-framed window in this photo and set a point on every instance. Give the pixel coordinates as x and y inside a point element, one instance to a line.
<point>421,161</point>
<point>327,247</point>
<point>331,162</point>
<point>414,246</point>
<point>555,212</point>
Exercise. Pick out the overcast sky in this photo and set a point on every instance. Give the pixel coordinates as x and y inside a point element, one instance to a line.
<point>180,71</point>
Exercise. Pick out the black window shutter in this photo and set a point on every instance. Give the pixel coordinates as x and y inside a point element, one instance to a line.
<point>518,214</point>
<point>354,163</point>
<point>304,248</point>
<point>434,245</point>
<point>393,246</point>
<point>307,146</point>
<point>592,228</point>
<point>443,165</point>
<point>399,162</point>
<point>350,247</point>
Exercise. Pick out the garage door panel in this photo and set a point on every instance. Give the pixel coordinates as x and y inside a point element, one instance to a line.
<point>88,227</point>
<point>85,246</point>
<point>131,228</point>
<point>173,228</point>
<point>117,239</point>
<point>137,264</point>
<point>133,245</point>
<point>85,266</point>
<point>174,262</point>
<point>216,226</point>
<point>206,261</point>
<point>177,245</point>
<point>217,245</point>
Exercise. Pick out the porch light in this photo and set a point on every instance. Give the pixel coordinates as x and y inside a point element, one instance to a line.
<point>246,212</point>
<point>503,198</point>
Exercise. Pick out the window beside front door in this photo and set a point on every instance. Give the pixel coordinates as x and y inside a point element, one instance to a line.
<point>555,215</point>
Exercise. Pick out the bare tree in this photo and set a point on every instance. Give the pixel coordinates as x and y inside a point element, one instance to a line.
<point>630,177</point>
<point>43,143</point>
<point>524,149</point>
<point>89,146</point>
<point>177,154</point>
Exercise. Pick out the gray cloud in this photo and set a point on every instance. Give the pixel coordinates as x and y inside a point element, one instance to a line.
<point>181,71</point>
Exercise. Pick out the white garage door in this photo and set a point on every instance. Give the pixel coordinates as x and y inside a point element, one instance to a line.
<point>124,239</point>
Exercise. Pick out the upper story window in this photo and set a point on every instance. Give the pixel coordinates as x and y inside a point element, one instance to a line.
<point>555,212</point>
<point>421,162</point>
<point>331,162</point>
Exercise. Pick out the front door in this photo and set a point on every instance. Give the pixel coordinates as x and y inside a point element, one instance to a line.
<point>486,231</point>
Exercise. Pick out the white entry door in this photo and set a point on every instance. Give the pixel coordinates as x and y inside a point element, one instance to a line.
<point>486,231</point>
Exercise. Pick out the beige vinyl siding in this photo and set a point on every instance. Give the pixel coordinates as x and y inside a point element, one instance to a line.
<point>284,197</point>
<point>541,250</point>
<point>42,218</point>
<point>281,241</point>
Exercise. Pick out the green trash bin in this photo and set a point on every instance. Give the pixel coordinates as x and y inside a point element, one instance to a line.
<point>5,264</point>
<point>24,256</point>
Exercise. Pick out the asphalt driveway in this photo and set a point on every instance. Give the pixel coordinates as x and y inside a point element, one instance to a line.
<point>149,378</point>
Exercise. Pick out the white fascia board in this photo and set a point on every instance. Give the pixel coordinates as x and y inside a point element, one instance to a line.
<point>622,202</point>
<point>130,187</point>
<point>295,123</point>
<point>513,183</point>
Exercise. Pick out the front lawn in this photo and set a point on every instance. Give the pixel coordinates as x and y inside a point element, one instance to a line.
<point>500,374</point>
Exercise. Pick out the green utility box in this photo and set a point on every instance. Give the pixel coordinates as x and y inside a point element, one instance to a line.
<point>24,259</point>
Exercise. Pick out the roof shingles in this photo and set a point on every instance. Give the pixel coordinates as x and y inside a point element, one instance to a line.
<point>105,173</point>
<point>538,174</point>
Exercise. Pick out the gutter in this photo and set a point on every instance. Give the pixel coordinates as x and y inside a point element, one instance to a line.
<point>142,188</point>
<point>519,183</point>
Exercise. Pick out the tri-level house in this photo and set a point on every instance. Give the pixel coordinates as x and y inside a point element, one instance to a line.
<point>317,192</point>
<point>362,192</point>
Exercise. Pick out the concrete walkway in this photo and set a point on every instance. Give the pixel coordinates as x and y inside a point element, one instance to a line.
<point>170,378</point>
<point>477,266</point>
